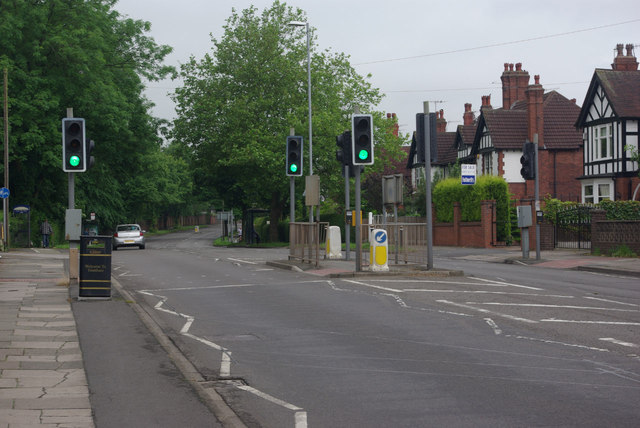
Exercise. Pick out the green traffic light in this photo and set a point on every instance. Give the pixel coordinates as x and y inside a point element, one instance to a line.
<point>74,161</point>
<point>293,167</point>
<point>363,154</point>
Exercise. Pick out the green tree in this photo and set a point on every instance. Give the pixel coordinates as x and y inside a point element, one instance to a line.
<point>238,103</point>
<point>81,54</point>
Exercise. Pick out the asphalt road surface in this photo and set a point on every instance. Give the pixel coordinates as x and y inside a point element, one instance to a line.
<point>502,346</point>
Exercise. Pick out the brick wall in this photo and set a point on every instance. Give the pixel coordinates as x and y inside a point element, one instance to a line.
<point>607,235</point>
<point>478,234</point>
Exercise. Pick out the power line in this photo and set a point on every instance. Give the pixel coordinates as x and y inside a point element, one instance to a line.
<point>549,36</point>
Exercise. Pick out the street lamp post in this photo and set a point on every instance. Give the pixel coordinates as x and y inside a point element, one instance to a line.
<point>306,25</point>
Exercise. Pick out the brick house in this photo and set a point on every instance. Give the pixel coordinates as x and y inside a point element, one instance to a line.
<point>527,111</point>
<point>609,120</point>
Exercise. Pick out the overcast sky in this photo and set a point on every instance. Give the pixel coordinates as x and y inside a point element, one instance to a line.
<point>449,53</point>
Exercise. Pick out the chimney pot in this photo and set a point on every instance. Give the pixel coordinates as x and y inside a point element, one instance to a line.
<point>629,49</point>
<point>519,66</point>
<point>536,78</point>
<point>393,115</point>
<point>388,115</point>
<point>510,67</point>
<point>506,66</point>
<point>573,100</point>
<point>619,48</point>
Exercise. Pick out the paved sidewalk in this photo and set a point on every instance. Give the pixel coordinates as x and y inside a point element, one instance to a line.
<point>42,378</point>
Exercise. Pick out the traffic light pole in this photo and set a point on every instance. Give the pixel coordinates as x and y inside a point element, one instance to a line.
<point>73,245</point>
<point>347,225</point>
<point>427,180</point>
<point>537,196</point>
<point>358,222</point>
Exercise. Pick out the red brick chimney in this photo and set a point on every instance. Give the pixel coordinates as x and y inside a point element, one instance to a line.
<point>396,127</point>
<point>535,111</point>
<point>441,122</point>
<point>468,117</point>
<point>514,84</point>
<point>624,62</point>
<point>486,103</point>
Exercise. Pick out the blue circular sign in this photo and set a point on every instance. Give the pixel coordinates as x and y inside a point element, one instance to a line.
<point>380,236</point>
<point>4,193</point>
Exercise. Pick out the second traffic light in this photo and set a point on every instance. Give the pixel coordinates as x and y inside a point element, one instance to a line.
<point>528,161</point>
<point>294,156</point>
<point>74,150</point>
<point>362,139</point>
<point>343,153</point>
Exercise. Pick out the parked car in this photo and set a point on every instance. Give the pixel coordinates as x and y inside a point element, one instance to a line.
<point>128,235</point>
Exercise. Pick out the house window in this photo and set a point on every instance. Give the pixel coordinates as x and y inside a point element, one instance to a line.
<point>596,192</point>
<point>603,192</point>
<point>487,164</point>
<point>604,141</point>
<point>588,194</point>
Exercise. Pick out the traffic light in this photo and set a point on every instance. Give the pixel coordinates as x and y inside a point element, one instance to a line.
<point>294,156</point>
<point>421,135</point>
<point>362,139</point>
<point>343,153</point>
<point>90,145</point>
<point>74,150</point>
<point>528,161</point>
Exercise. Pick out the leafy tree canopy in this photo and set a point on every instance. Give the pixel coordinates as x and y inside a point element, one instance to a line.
<point>85,55</point>
<point>238,103</point>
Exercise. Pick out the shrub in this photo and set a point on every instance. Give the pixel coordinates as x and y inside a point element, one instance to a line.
<point>487,187</point>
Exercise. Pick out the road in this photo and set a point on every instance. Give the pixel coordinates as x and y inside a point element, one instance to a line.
<point>504,345</point>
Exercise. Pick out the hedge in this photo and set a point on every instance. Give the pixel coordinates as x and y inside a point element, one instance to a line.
<point>487,187</point>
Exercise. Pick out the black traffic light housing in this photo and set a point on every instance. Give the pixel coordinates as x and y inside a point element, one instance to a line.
<point>343,153</point>
<point>421,135</point>
<point>90,145</point>
<point>294,156</point>
<point>362,139</point>
<point>74,149</point>
<point>528,161</point>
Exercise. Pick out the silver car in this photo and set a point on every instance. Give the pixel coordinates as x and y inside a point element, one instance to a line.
<point>128,235</point>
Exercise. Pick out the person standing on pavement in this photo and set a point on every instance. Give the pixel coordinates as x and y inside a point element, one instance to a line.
<point>46,231</point>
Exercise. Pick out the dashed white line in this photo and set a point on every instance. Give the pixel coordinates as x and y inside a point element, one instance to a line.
<point>540,305</point>
<point>242,261</point>
<point>612,301</point>
<point>484,311</point>
<point>619,342</point>
<point>590,322</point>
<point>494,326</point>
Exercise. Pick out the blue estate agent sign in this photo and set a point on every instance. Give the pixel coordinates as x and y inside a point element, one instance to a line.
<point>380,237</point>
<point>468,173</point>
<point>4,193</point>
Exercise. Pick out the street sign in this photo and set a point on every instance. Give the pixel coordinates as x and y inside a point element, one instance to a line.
<point>468,174</point>
<point>380,236</point>
<point>4,193</point>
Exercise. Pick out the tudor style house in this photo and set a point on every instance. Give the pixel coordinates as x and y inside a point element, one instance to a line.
<point>609,119</point>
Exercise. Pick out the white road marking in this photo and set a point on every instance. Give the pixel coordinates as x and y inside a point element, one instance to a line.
<point>619,342</point>
<point>392,290</point>
<point>507,284</point>
<point>242,261</point>
<point>590,322</point>
<point>300,416</point>
<point>554,342</point>
<point>612,301</point>
<point>484,311</point>
<point>540,305</point>
<point>504,293</point>
<point>494,326</point>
